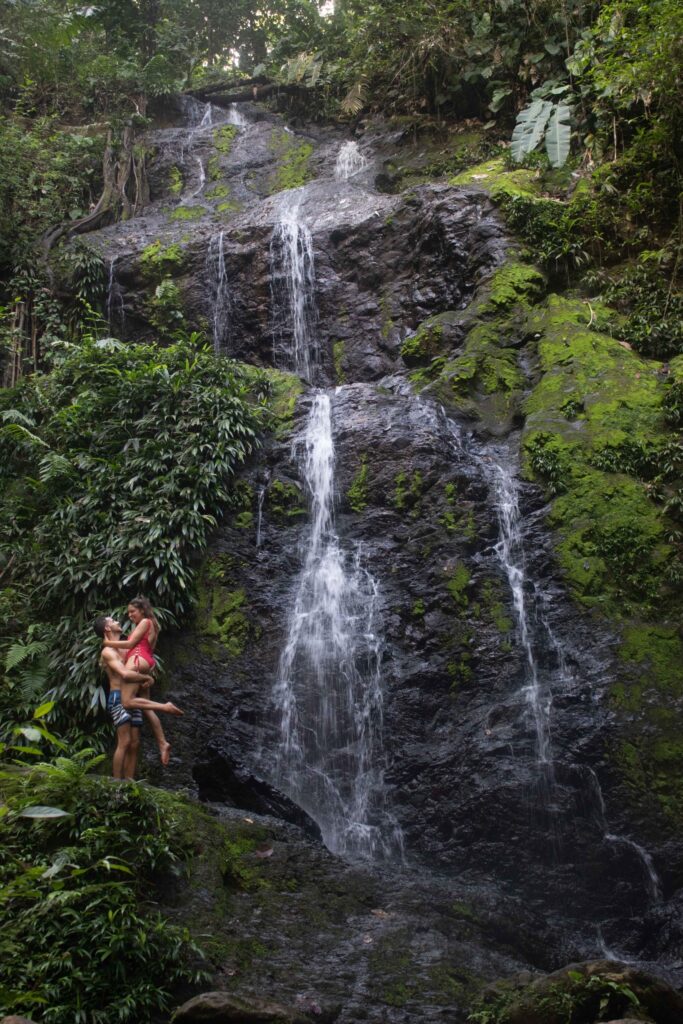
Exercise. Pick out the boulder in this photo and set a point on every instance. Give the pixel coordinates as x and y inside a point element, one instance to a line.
<point>225,1008</point>
<point>589,990</point>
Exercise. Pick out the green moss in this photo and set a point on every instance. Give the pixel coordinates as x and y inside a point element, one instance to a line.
<point>188,213</point>
<point>513,284</point>
<point>231,206</point>
<point>494,608</point>
<point>459,671</point>
<point>358,491</point>
<point>424,345</point>
<point>239,866</point>
<point>408,492</point>
<point>285,389</point>
<point>385,306</point>
<point>418,609</point>
<point>213,168</point>
<point>338,352</point>
<point>175,180</point>
<point>293,156</point>
<point>285,501</point>
<point>457,582</point>
<point>493,176</point>
<point>157,260</point>
<point>223,138</point>
<point>218,192</point>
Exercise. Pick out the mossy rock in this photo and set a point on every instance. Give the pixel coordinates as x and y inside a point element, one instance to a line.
<point>158,260</point>
<point>285,390</point>
<point>285,501</point>
<point>187,213</point>
<point>498,181</point>
<point>357,493</point>
<point>430,340</point>
<point>293,157</point>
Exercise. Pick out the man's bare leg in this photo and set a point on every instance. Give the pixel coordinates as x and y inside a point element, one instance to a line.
<point>131,761</point>
<point>123,739</point>
<point>159,735</point>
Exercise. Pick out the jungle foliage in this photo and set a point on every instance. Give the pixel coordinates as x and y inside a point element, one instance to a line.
<point>81,864</point>
<point>114,468</point>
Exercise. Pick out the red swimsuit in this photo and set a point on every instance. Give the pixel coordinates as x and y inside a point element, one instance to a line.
<point>142,650</point>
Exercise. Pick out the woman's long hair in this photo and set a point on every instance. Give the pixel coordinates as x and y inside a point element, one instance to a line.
<point>145,606</point>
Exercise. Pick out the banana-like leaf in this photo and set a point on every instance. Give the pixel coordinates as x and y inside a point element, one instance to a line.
<point>529,128</point>
<point>558,135</point>
<point>354,101</point>
<point>41,811</point>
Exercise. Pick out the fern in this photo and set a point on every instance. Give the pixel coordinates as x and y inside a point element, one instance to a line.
<point>355,99</point>
<point>20,651</point>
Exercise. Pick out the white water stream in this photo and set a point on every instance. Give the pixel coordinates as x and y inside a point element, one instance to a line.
<point>350,161</point>
<point>328,691</point>
<point>220,292</point>
<point>293,290</point>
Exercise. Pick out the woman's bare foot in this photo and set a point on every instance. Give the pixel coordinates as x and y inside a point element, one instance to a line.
<point>165,752</point>
<point>171,709</point>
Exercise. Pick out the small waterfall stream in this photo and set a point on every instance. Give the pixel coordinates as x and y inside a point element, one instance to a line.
<point>115,308</point>
<point>220,292</point>
<point>350,161</point>
<point>293,290</point>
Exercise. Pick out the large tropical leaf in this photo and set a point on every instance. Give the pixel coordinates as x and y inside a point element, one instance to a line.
<point>558,135</point>
<point>529,128</point>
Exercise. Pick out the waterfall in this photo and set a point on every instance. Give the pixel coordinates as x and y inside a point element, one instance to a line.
<point>510,553</point>
<point>220,292</point>
<point>235,116</point>
<point>207,119</point>
<point>259,516</point>
<point>327,693</point>
<point>202,177</point>
<point>293,290</point>
<point>350,161</point>
<point>115,309</point>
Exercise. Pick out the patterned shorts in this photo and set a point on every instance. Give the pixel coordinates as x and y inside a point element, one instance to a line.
<point>120,715</point>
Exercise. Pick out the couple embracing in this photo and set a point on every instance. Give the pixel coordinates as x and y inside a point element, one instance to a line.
<point>128,665</point>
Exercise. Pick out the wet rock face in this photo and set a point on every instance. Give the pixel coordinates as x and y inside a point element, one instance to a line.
<point>493,766</point>
<point>382,263</point>
<point>464,783</point>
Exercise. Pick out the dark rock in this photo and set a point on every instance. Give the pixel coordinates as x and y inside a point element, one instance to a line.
<point>225,1008</point>
<point>587,991</point>
<point>224,777</point>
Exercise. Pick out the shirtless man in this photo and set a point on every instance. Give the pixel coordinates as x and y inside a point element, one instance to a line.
<point>123,704</point>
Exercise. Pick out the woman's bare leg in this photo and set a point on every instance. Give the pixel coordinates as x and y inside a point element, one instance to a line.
<point>159,735</point>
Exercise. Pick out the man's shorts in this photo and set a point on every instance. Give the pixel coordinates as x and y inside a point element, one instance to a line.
<point>120,715</point>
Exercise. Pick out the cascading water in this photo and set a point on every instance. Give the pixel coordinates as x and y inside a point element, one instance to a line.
<point>115,308</point>
<point>235,116</point>
<point>220,293</point>
<point>350,161</point>
<point>293,291</point>
<point>328,693</point>
<point>202,177</point>
<point>510,553</point>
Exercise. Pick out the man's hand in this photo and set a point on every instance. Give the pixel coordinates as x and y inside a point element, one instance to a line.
<point>147,684</point>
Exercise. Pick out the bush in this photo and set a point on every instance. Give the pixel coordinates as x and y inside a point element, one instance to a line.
<point>81,939</point>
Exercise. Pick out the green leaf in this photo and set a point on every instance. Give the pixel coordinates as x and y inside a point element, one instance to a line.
<point>558,135</point>
<point>44,709</point>
<point>529,129</point>
<point>41,811</point>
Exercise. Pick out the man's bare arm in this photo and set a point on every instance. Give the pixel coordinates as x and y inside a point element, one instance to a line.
<point>128,675</point>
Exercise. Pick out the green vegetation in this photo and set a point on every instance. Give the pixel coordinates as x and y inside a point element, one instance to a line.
<point>115,466</point>
<point>184,213</point>
<point>223,138</point>
<point>293,157</point>
<point>175,180</point>
<point>82,864</point>
<point>285,501</point>
<point>158,260</point>
<point>358,491</point>
<point>338,353</point>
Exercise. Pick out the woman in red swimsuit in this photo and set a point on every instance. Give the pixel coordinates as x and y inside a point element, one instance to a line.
<point>139,655</point>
